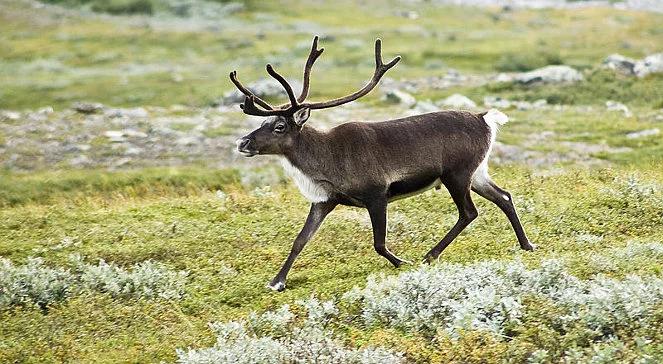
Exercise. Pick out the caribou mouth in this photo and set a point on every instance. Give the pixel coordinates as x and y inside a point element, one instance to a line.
<point>247,153</point>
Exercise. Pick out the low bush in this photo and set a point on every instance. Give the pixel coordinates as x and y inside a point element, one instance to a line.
<point>281,337</point>
<point>37,284</point>
<point>521,62</point>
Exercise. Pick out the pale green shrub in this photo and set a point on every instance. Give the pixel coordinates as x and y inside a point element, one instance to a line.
<point>278,337</point>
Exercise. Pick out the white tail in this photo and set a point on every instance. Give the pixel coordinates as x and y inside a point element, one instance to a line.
<point>495,116</point>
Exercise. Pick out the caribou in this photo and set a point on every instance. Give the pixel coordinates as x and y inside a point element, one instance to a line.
<point>370,164</point>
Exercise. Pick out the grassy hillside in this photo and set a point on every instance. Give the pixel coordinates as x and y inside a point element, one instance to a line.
<point>62,57</point>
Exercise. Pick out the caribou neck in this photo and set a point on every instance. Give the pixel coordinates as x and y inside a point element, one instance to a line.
<point>309,151</point>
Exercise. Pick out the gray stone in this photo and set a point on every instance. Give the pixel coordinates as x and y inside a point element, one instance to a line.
<point>620,64</point>
<point>459,101</point>
<point>187,140</point>
<point>80,161</point>
<point>650,64</point>
<point>422,107</point>
<point>399,97</point>
<point>550,74</point>
<point>115,136</point>
<point>496,102</point>
<point>134,133</point>
<point>618,106</point>
<point>643,133</point>
<point>87,107</point>
<point>136,112</point>
<point>10,115</point>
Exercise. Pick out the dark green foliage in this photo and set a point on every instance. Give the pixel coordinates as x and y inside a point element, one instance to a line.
<point>520,62</point>
<point>123,6</point>
<point>16,189</point>
<point>599,85</point>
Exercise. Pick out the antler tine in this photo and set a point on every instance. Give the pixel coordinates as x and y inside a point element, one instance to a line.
<point>249,108</point>
<point>284,83</point>
<point>380,67</point>
<point>380,70</point>
<point>312,57</point>
<point>247,92</point>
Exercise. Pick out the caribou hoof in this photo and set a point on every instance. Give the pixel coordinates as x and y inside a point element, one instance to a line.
<point>528,247</point>
<point>276,287</point>
<point>428,259</point>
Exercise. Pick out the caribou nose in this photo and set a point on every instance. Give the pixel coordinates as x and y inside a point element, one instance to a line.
<point>242,143</point>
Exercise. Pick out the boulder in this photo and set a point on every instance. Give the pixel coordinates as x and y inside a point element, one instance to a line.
<point>648,65</point>
<point>618,106</point>
<point>550,74</point>
<point>133,113</point>
<point>399,97</point>
<point>643,133</point>
<point>619,63</point>
<point>422,107</point>
<point>496,102</point>
<point>9,115</point>
<point>87,107</point>
<point>459,101</point>
<point>115,136</point>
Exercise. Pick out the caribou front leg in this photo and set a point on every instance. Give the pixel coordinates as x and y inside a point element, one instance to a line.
<point>315,217</point>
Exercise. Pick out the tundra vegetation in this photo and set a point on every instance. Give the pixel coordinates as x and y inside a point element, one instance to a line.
<point>129,231</point>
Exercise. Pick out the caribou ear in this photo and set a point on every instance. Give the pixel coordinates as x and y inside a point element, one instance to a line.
<point>301,116</point>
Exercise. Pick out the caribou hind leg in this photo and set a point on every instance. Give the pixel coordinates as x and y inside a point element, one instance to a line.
<point>483,185</point>
<point>459,188</point>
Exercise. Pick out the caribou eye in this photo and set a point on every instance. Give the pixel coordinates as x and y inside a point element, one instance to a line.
<point>279,128</point>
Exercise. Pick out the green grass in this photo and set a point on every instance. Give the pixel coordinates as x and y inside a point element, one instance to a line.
<point>232,246</point>
<point>251,235</point>
<point>71,185</point>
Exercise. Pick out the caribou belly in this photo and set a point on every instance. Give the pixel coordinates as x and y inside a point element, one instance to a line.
<point>412,186</point>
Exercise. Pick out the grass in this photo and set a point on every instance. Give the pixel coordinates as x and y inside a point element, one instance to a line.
<point>232,247</point>
<point>233,242</point>
<point>127,64</point>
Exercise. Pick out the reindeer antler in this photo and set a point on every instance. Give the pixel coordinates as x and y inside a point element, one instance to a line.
<point>312,57</point>
<point>295,104</point>
<point>380,70</point>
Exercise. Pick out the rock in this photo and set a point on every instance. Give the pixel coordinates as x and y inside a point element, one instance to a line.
<point>549,74</point>
<point>134,133</point>
<point>121,162</point>
<point>87,107</point>
<point>80,161</point>
<point>133,151</point>
<point>399,97</point>
<point>620,64</point>
<point>264,88</point>
<point>648,65</point>
<point>10,115</point>
<point>643,133</point>
<point>45,110</point>
<point>526,105</point>
<point>422,107</point>
<point>187,140</point>
<point>459,101</point>
<point>618,106</point>
<point>496,102</point>
<point>115,136</point>
<point>504,77</point>
<point>136,112</point>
